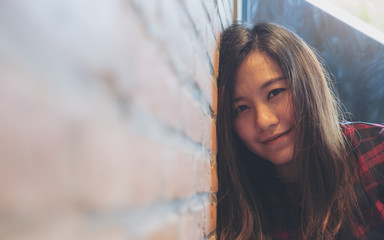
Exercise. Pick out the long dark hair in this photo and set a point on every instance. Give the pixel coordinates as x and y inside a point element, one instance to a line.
<point>329,203</point>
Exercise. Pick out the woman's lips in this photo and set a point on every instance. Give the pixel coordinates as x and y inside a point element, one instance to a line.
<point>276,138</point>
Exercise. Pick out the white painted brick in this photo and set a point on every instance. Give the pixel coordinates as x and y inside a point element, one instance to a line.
<point>215,21</point>
<point>228,8</point>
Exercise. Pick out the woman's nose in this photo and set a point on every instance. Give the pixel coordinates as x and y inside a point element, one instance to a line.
<point>265,118</point>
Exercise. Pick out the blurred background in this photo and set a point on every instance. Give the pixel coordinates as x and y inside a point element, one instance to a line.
<point>369,11</point>
<point>352,49</point>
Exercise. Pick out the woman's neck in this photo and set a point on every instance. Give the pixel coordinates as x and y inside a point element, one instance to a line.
<point>287,172</point>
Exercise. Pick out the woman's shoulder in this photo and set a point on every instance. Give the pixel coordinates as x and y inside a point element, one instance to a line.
<point>358,126</point>
<point>367,144</point>
<point>360,132</point>
<point>366,140</point>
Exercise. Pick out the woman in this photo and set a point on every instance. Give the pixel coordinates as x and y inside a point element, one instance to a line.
<point>287,167</point>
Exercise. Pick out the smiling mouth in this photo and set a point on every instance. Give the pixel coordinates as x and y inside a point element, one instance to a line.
<point>276,137</point>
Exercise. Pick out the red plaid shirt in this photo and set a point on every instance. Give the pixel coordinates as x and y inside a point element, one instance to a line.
<point>368,141</point>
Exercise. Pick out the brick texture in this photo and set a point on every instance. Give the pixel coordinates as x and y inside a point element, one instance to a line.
<point>107,127</point>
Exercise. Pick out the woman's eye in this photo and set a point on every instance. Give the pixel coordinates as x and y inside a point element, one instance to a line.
<point>275,92</point>
<point>241,108</point>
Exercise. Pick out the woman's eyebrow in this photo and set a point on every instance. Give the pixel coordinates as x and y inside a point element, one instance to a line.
<point>271,81</point>
<point>237,99</point>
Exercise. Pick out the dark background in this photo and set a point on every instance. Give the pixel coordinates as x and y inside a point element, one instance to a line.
<point>355,60</point>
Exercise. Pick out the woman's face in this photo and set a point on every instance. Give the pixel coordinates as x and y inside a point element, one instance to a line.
<point>263,109</point>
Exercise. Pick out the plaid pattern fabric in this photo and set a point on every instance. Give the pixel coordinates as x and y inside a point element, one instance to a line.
<point>368,143</point>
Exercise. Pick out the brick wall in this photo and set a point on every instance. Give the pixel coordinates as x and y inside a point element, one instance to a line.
<point>107,118</point>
